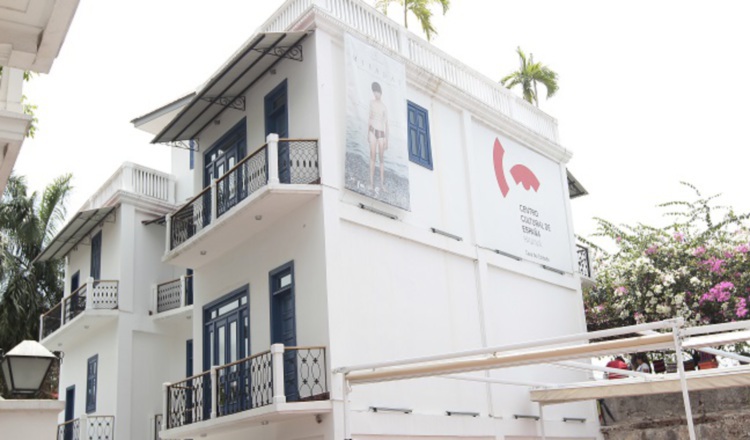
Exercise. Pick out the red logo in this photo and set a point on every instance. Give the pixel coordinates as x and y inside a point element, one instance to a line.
<point>520,173</point>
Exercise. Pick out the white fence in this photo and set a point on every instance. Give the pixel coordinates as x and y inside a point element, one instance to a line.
<point>138,180</point>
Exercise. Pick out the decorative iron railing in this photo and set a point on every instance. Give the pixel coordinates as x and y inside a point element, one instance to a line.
<point>297,164</point>
<point>584,262</point>
<point>52,320</point>
<point>93,295</point>
<point>310,364</point>
<point>189,401</point>
<point>87,428</point>
<point>75,303</point>
<point>169,295</point>
<point>245,384</point>
<point>378,28</point>
<point>291,374</point>
<point>248,176</point>
<point>191,218</point>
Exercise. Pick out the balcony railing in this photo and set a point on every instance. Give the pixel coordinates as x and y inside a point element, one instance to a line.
<point>173,294</point>
<point>138,180</point>
<point>379,28</point>
<point>94,295</point>
<point>286,161</point>
<point>87,428</point>
<point>584,262</point>
<point>282,374</point>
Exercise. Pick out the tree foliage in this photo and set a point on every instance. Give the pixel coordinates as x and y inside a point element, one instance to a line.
<point>528,75</point>
<point>697,267</point>
<point>420,9</point>
<point>27,223</point>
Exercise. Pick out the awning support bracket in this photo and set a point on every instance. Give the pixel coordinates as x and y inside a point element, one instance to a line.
<point>293,53</point>
<point>235,102</point>
<point>191,145</point>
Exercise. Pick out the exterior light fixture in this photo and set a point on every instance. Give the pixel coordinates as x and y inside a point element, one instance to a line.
<point>525,416</point>
<point>26,366</point>
<point>462,413</point>
<point>384,409</point>
<point>446,234</point>
<point>505,254</point>
<point>574,419</point>
<point>377,211</point>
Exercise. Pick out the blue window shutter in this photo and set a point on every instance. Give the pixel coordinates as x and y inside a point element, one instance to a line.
<point>192,154</point>
<point>91,373</point>
<point>96,256</point>
<point>419,135</point>
<point>189,358</point>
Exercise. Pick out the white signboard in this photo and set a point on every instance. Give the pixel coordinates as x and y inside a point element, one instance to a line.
<point>521,201</point>
<point>376,149</point>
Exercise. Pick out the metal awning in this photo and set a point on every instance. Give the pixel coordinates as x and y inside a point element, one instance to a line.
<point>574,187</point>
<point>227,88</point>
<point>75,231</point>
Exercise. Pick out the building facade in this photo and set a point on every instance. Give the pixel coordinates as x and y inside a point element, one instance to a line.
<point>341,193</point>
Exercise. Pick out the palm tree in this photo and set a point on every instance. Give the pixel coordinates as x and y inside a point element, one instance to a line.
<point>420,8</point>
<point>27,289</point>
<point>528,75</point>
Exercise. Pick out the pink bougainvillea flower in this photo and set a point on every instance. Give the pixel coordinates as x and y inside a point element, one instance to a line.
<point>679,236</point>
<point>700,250</point>
<point>652,249</point>
<point>741,308</point>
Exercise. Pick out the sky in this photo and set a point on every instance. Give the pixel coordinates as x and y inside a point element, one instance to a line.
<point>651,93</point>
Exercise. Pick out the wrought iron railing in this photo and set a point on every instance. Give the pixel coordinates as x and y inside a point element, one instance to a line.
<point>52,320</point>
<point>584,262</point>
<point>87,428</point>
<point>75,303</point>
<point>169,295</point>
<point>94,295</point>
<point>248,176</point>
<point>191,218</point>
<point>310,364</point>
<point>245,384</point>
<point>297,164</point>
<point>189,401</point>
<point>249,383</point>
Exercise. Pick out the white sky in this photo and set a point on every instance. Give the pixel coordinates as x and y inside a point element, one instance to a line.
<point>651,93</point>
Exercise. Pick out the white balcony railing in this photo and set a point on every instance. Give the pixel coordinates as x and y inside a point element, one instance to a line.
<point>93,295</point>
<point>174,294</point>
<point>87,427</point>
<point>380,29</point>
<point>137,180</point>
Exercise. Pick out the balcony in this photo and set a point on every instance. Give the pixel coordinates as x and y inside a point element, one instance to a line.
<point>280,384</point>
<point>87,427</point>
<point>173,298</point>
<point>146,184</point>
<point>261,189</point>
<point>89,307</point>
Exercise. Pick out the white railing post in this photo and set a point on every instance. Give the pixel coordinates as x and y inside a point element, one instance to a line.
<point>164,405</point>
<point>127,178</point>
<point>272,141</point>
<point>154,299</point>
<point>183,291</point>
<point>403,42</point>
<point>171,189</point>
<point>214,392</point>
<point>90,293</point>
<point>277,373</point>
<point>214,200</point>
<point>168,224</point>
<point>83,428</point>
<point>41,326</point>
<point>62,311</point>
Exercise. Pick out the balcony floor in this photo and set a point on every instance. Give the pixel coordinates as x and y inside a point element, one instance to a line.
<point>238,224</point>
<point>273,413</point>
<point>82,326</point>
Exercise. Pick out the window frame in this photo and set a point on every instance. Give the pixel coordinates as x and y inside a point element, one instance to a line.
<point>416,157</point>
<point>91,383</point>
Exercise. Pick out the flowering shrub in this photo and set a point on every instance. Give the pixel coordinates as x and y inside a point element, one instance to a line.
<point>697,267</point>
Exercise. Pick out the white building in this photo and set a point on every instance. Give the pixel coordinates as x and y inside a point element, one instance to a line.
<point>31,35</point>
<point>341,193</point>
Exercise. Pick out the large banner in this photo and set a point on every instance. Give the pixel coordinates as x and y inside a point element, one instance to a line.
<point>376,149</point>
<point>521,201</point>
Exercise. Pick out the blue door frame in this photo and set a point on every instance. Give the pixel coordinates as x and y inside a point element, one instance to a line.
<point>277,121</point>
<point>96,256</point>
<point>284,323</point>
<point>70,405</point>
<point>226,339</point>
